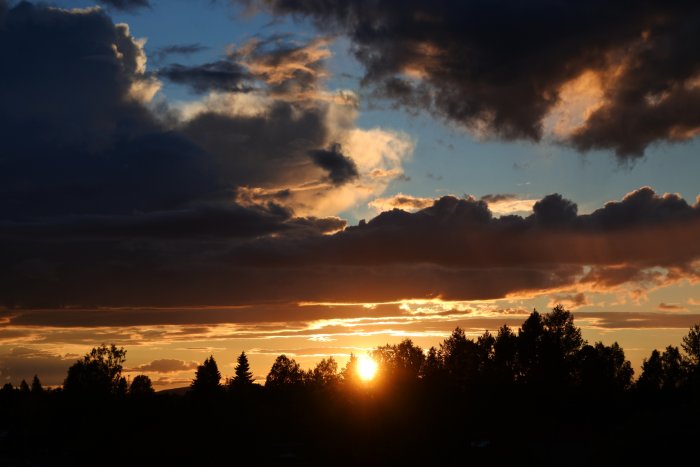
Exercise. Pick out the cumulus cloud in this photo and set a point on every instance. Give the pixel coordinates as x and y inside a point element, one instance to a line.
<point>598,75</point>
<point>164,190</point>
<point>455,250</point>
<point>401,201</point>
<point>500,204</point>
<point>506,203</point>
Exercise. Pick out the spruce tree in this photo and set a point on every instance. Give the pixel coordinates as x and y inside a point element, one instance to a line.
<point>244,377</point>
<point>207,378</point>
<point>36,385</point>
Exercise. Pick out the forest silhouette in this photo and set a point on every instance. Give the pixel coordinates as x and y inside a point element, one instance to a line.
<point>540,395</point>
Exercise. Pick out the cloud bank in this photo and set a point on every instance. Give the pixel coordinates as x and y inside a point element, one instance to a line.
<point>604,75</point>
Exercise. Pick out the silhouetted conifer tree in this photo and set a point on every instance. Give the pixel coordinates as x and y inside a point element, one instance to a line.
<point>36,385</point>
<point>244,377</point>
<point>24,387</point>
<point>207,378</point>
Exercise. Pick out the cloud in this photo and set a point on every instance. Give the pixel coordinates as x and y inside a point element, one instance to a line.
<point>597,75</point>
<point>637,320</point>
<point>401,201</point>
<point>569,301</point>
<point>340,168</point>
<point>22,363</point>
<point>221,75</point>
<point>165,365</point>
<point>126,5</point>
<point>500,204</point>
<point>454,249</point>
<point>671,307</point>
<point>166,185</point>
<point>506,203</point>
<point>233,199</point>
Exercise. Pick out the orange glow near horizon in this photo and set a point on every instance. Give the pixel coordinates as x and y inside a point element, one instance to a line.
<point>366,368</point>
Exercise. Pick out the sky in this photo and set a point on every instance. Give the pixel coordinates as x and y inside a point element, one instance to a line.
<point>199,177</point>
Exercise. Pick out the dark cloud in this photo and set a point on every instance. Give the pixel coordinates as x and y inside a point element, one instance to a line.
<point>93,179</point>
<point>165,365</point>
<point>266,149</point>
<point>671,307</point>
<point>341,169</point>
<point>283,67</point>
<point>639,320</point>
<point>76,137</point>
<point>22,363</point>
<point>500,67</point>
<point>105,202</point>
<point>454,249</point>
<point>126,5</point>
<point>221,75</point>
<point>181,49</point>
<point>162,53</point>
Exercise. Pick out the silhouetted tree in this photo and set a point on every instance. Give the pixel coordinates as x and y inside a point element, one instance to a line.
<point>673,370</point>
<point>559,324</point>
<point>547,348</point>
<point>530,336</point>
<point>24,387</point>
<point>662,371</point>
<point>349,373</point>
<point>141,386</point>
<point>98,373</point>
<point>244,377</point>
<point>36,385</point>
<point>285,372</point>
<point>325,373</point>
<point>460,358</point>
<point>651,378</point>
<point>601,369</point>
<point>399,362</point>
<point>691,349</point>
<point>7,388</point>
<point>691,346</point>
<point>485,344</point>
<point>207,379</point>
<point>505,355</point>
<point>432,371</point>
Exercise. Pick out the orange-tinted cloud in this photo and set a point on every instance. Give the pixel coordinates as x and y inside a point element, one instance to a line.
<point>165,365</point>
<point>598,74</point>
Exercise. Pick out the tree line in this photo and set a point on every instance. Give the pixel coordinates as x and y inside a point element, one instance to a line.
<point>546,353</point>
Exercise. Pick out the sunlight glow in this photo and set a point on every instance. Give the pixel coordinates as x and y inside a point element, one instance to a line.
<point>366,367</point>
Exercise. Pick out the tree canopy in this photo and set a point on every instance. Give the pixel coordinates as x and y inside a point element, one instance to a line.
<point>98,373</point>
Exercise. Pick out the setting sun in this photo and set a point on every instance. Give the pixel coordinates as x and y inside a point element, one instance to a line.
<point>366,367</point>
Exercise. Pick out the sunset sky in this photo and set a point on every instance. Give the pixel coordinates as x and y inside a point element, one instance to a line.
<point>195,177</point>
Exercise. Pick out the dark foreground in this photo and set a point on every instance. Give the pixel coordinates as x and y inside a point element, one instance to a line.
<point>341,427</point>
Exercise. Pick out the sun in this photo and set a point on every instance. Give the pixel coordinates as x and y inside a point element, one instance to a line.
<point>366,367</point>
